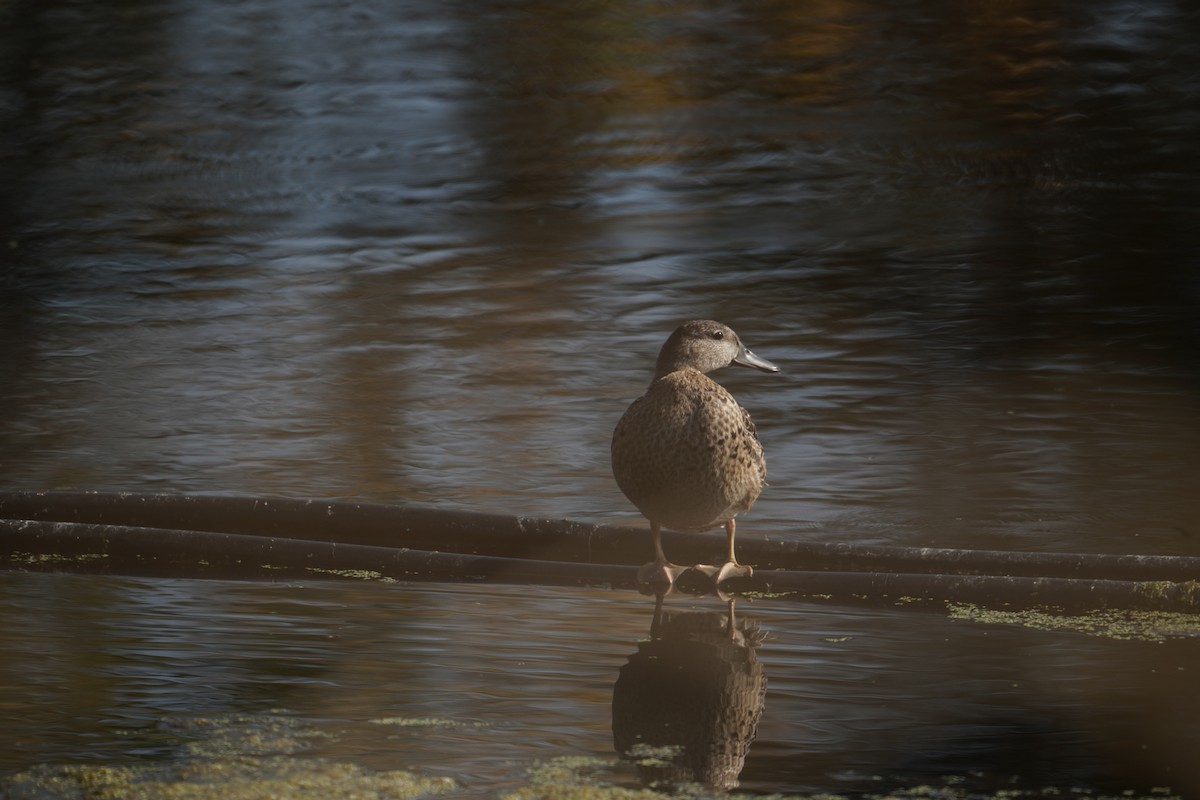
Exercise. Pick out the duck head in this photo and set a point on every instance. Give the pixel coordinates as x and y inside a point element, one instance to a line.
<point>706,345</point>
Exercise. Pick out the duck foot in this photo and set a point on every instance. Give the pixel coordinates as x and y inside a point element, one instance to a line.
<point>660,574</point>
<point>730,569</point>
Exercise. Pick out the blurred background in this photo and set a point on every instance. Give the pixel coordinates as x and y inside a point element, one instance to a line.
<point>427,252</point>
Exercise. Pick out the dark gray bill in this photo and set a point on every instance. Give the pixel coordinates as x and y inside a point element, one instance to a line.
<point>747,359</point>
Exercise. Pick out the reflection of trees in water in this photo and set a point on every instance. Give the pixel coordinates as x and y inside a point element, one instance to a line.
<point>687,704</point>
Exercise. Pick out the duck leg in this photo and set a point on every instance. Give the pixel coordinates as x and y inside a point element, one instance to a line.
<point>731,568</point>
<point>659,572</point>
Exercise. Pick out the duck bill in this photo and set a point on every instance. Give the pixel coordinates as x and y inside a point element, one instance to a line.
<point>745,358</point>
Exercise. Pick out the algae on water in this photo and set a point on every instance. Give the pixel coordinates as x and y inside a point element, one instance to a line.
<point>233,778</point>
<point>238,757</point>
<point>1110,623</point>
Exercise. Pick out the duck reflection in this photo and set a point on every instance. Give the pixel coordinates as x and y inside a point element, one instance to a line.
<point>687,704</point>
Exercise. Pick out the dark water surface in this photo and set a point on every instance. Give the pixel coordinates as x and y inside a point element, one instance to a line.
<point>479,683</point>
<point>427,252</point>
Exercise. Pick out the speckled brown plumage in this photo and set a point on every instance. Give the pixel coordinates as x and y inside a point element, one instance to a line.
<point>685,453</point>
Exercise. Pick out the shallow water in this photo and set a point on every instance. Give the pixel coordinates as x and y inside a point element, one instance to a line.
<point>427,252</point>
<point>479,683</point>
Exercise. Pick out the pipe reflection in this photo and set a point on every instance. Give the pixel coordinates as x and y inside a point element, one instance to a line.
<point>686,706</point>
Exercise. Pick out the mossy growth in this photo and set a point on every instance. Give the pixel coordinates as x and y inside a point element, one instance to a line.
<point>58,559</point>
<point>237,778</point>
<point>354,574</point>
<point>1110,623</point>
<point>1184,591</point>
<point>579,778</point>
<point>233,758</point>
<point>426,722</point>
<point>257,758</point>
<point>575,778</point>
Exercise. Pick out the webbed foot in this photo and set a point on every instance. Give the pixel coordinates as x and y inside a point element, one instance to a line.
<point>659,574</point>
<point>730,569</point>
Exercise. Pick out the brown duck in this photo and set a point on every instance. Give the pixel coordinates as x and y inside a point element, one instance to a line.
<point>685,453</point>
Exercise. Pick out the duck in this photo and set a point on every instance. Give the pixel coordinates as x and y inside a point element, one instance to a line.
<point>685,453</point>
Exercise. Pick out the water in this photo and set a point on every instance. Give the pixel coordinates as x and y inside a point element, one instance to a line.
<point>495,679</point>
<point>427,252</point>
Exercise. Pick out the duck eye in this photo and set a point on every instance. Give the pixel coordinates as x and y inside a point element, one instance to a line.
<point>717,334</point>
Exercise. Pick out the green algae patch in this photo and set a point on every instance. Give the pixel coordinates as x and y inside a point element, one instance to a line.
<point>256,757</point>
<point>426,722</point>
<point>33,559</point>
<point>236,735</point>
<point>581,778</point>
<point>242,778</point>
<point>355,574</point>
<point>1185,591</point>
<point>236,757</point>
<point>949,791</point>
<point>759,595</point>
<point>575,778</point>
<point>1110,623</point>
<point>645,755</point>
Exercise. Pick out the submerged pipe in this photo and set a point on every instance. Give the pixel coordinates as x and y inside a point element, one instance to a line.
<point>260,550</point>
<point>160,552</point>
<point>421,528</point>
